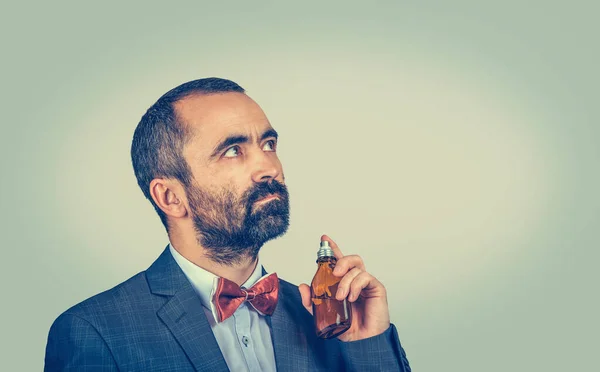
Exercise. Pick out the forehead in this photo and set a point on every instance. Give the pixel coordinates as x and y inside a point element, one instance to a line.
<point>211,118</point>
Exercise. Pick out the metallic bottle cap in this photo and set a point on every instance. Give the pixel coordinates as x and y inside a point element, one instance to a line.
<point>325,250</point>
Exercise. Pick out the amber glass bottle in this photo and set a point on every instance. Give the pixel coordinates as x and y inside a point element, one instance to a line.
<point>332,317</point>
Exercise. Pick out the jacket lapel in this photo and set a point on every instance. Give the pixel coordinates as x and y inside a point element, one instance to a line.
<point>183,314</point>
<point>289,340</point>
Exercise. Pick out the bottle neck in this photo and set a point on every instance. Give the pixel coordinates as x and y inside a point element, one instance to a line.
<point>326,259</point>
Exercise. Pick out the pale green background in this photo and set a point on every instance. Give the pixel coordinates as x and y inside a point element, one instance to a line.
<point>454,146</point>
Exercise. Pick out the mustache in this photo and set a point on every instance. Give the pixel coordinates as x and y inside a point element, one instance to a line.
<point>264,189</point>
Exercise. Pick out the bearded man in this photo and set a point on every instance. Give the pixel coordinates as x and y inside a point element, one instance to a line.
<point>205,156</point>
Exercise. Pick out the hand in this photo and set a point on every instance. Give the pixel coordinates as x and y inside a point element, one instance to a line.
<point>366,294</point>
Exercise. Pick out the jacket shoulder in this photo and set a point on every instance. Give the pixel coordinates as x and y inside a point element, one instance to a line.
<point>119,297</point>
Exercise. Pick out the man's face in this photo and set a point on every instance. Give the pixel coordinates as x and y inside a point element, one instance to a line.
<point>237,198</point>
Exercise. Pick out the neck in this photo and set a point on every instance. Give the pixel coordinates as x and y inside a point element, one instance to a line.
<point>188,246</point>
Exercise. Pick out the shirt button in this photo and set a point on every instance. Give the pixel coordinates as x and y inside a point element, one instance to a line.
<point>245,340</point>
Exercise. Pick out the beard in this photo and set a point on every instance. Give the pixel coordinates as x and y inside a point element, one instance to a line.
<point>233,228</point>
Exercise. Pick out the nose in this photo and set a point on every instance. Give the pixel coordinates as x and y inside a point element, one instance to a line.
<point>266,168</point>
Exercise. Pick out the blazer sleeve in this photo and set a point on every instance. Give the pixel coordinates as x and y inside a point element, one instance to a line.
<point>75,345</point>
<point>378,353</point>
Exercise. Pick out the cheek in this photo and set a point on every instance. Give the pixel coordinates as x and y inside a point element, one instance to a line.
<point>235,184</point>
<point>224,178</point>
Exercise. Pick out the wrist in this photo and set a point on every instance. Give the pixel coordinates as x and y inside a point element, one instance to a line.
<point>350,336</point>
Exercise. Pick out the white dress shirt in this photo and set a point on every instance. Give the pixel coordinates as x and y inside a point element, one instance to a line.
<point>244,338</point>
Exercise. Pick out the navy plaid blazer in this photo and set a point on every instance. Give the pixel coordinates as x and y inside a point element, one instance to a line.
<point>154,321</point>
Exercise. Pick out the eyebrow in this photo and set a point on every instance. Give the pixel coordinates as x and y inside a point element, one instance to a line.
<point>237,139</point>
<point>269,133</point>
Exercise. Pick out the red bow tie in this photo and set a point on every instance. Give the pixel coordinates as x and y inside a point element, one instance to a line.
<point>262,296</point>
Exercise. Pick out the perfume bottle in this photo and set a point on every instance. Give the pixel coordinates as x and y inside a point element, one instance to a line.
<point>332,317</point>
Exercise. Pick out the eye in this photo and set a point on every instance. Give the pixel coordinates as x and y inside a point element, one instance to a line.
<point>232,152</point>
<point>269,145</point>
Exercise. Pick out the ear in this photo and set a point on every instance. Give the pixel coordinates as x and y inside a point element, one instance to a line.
<point>169,195</point>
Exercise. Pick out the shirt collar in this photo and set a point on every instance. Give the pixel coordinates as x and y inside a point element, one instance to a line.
<point>205,282</point>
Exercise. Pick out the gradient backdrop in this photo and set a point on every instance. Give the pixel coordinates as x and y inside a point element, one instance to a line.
<point>454,146</point>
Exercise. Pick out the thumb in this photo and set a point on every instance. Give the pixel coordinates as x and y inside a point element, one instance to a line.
<point>305,294</point>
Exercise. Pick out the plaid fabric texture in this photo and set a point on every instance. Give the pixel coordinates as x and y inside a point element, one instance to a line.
<point>154,322</point>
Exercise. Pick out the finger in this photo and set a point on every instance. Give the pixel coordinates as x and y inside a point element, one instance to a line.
<point>306,298</point>
<point>344,285</point>
<point>334,247</point>
<point>362,280</point>
<point>347,263</point>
